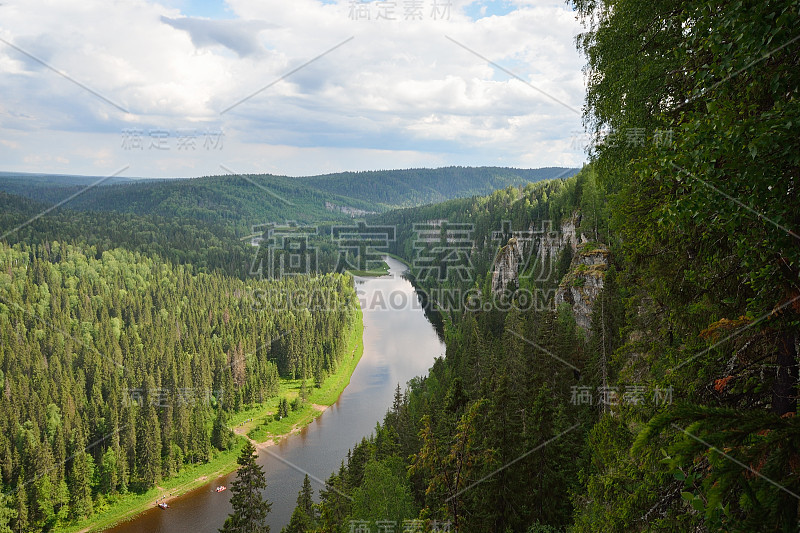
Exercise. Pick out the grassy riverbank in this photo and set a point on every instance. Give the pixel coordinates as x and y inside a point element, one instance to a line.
<point>374,273</point>
<point>383,270</point>
<point>126,506</point>
<point>257,422</point>
<point>262,426</point>
<point>398,258</point>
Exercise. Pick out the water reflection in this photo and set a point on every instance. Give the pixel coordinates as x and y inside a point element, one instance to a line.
<point>399,344</point>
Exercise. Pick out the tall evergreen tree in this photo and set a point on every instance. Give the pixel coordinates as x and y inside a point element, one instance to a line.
<point>7,514</point>
<point>21,511</point>
<point>80,476</point>
<point>304,515</point>
<point>250,509</point>
<point>222,437</point>
<point>148,441</point>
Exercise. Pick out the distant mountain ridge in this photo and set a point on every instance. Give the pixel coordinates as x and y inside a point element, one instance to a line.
<point>50,187</point>
<point>413,187</point>
<point>240,201</point>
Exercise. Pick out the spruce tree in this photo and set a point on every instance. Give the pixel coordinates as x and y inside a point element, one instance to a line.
<point>80,476</point>
<point>221,436</point>
<point>283,408</point>
<point>21,509</point>
<point>303,518</point>
<point>303,391</point>
<point>250,509</point>
<point>148,441</point>
<point>7,513</point>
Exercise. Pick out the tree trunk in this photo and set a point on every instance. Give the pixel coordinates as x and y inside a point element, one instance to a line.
<point>784,391</point>
<point>784,400</point>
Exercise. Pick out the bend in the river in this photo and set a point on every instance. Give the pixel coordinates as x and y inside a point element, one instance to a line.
<point>399,344</point>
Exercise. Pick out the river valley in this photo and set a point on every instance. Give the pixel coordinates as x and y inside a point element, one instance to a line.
<point>399,344</point>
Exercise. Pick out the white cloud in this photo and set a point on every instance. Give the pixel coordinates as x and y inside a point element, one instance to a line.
<point>238,36</point>
<point>399,94</point>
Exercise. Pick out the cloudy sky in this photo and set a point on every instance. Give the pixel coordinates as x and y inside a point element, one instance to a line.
<point>182,87</point>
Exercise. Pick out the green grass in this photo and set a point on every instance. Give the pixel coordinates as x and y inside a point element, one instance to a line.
<point>578,282</point>
<point>126,506</point>
<point>376,272</point>
<point>264,426</point>
<point>401,259</point>
<point>257,421</point>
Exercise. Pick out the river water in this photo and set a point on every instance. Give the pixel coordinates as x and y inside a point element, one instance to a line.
<point>399,344</point>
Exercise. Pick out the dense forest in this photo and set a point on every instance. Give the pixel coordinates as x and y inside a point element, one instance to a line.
<point>132,329</point>
<point>237,202</point>
<point>675,408</point>
<point>118,369</point>
<point>622,344</point>
<point>404,188</point>
<point>207,247</point>
<point>493,398</point>
<point>47,187</point>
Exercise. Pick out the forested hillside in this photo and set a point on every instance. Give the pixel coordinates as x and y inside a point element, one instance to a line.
<point>49,188</point>
<point>675,409</point>
<point>207,247</point>
<point>238,202</point>
<point>403,188</point>
<point>622,343</point>
<point>114,366</point>
<point>493,398</point>
<point>133,327</point>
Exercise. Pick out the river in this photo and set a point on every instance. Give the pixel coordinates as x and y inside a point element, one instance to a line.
<point>399,344</point>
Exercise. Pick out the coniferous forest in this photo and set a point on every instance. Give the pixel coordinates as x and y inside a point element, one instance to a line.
<point>129,341</point>
<point>673,408</point>
<point>621,348</point>
<point>115,366</point>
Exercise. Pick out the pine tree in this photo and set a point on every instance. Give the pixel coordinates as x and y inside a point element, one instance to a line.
<point>221,435</point>
<point>303,391</point>
<point>304,516</point>
<point>79,489</point>
<point>21,508</point>
<point>148,442</point>
<point>335,506</point>
<point>41,512</point>
<point>283,408</point>
<point>7,514</point>
<point>250,509</point>
<point>199,441</point>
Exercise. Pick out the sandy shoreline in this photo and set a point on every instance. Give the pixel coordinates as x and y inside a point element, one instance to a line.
<point>241,430</point>
<point>168,496</point>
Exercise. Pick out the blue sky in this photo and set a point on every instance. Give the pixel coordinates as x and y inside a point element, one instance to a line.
<point>212,9</point>
<point>479,10</point>
<point>183,87</point>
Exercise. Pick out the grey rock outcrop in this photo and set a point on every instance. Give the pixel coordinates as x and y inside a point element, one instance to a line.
<point>583,282</point>
<point>538,248</point>
<point>505,276</point>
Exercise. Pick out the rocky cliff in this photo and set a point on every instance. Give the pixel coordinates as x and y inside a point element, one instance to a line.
<point>505,276</point>
<point>542,246</point>
<point>553,242</point>
<point>584,281</point>
<point>537,248</point>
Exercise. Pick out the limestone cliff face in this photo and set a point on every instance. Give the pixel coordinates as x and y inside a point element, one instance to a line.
<point>584,281</point>
<point>556,241</point>
<point>505,276</point>
<point>540,245</point>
